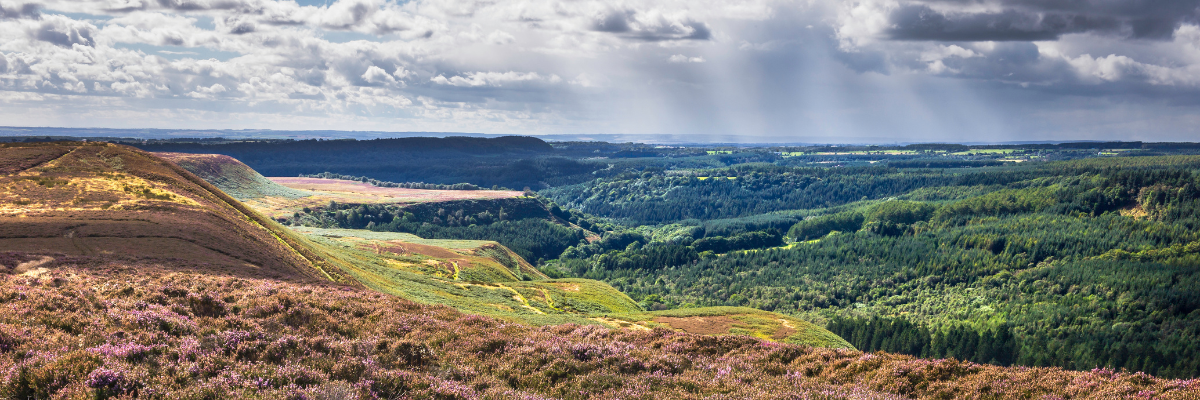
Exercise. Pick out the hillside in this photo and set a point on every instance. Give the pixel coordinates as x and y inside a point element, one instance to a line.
<point>104,330</point>
<point>231,176</point>
<point>119,203</point>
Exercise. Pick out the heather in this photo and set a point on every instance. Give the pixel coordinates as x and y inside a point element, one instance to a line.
<point>84,328</point>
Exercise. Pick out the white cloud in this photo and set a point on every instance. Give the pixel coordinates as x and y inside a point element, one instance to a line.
<point>378,76</point>
<point>680,58</point>
<point>472,79</point>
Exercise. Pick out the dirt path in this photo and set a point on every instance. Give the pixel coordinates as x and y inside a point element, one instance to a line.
<point>33,267</point>
<point>521,299</point>
<point>44,162</point>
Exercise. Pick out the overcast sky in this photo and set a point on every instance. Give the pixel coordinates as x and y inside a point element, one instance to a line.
<point>801,71</point>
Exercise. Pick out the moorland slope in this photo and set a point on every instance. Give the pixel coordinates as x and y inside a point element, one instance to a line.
<point>136,331</point>
<point>231,176</point>
<point>120,203</point>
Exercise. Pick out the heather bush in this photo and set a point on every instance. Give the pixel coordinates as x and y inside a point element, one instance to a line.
<point>116,332</point>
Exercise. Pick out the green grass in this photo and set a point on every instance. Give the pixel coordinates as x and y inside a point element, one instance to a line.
<point>406,237</point>
<point>750,322</point>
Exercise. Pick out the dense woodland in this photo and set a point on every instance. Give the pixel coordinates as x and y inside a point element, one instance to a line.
<point>534,230</point>
<point>1077,264</point>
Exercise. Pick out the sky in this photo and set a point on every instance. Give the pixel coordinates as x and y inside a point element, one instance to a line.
<point>866,71</point>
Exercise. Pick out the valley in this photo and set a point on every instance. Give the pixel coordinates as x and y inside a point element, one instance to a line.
<point>776,276</point>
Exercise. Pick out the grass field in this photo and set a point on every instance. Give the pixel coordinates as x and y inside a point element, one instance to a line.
<point>732,321</point>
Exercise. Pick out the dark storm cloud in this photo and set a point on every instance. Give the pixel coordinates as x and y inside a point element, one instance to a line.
<point>186,5</point>
<point>625,23</point>
<point>1026,20</point>
<point>242,28</point>
<point>614,22</point>
<point>27,10</point>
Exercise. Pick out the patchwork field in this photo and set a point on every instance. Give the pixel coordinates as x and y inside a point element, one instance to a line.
<point>389,194</point>
<point>319,192</point>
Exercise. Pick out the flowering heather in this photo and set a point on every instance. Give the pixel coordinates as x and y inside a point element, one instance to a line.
<point>107,331</point>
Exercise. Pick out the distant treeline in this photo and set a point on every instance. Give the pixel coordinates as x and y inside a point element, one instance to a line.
<point>406,185</point>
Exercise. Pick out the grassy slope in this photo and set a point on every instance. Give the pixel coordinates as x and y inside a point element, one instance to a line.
<point>231,176</point>
<point>473,279</point>
<point>737,321</point>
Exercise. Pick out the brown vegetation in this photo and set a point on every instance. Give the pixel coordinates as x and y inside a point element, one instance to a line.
<point>93,329</point>
<point>122,203</point>
<point>712,325</point>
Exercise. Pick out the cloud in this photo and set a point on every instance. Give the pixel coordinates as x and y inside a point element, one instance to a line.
<point>680,58</point>
<point>920,22</point>
<point>819,68</point>
<point>19,10</point>
<point>64,31</point>
<point>475,79</point>
<point>651,26</point>
<point>1028,20</point>
<point>377,76</point>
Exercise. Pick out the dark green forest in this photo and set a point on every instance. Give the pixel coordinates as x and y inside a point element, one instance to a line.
<point>532,229</point>
<point>1078,264</point>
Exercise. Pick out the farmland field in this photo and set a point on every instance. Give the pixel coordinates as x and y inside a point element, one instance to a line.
<point>358,190</point>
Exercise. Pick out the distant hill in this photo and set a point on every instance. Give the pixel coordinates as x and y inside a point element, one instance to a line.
<point>231,176</point>
<point>508,161</point>
<point>118,203</point>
